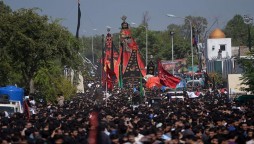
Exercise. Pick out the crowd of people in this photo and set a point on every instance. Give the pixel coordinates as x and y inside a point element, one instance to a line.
<point>208,119</point>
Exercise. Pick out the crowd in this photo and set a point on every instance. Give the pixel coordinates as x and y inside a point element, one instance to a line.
<point>208,119</point>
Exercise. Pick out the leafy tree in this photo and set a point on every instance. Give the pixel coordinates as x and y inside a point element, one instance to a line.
<point>199,25</point>
<point>7,73</point>
<point>181,44</point>
<point>30,42</point>
<point>145,18</point>
<point>49,82</point>
<point>248,72</point>
<point>4,9</point>
<point>238,31</point>
<point>216,76</point>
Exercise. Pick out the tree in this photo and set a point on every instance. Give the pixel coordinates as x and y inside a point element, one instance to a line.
<point>199,25</point>
<point>181,44</point>
<point>216,77</point>
<point>248,72</point>
<point>7,73</point>
<point>4,9</point>
<point>31,42</point>
<point>49,82</point>
<point>145,18</point>
<point>237,30</point>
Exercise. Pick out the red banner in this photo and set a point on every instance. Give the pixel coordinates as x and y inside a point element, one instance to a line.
<point>166,78</point>
<point>110,77</point>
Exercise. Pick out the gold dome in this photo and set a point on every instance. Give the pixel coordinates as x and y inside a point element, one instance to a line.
<point>217,33</point>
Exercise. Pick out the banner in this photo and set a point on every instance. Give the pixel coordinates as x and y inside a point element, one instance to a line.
<point>166,78</point>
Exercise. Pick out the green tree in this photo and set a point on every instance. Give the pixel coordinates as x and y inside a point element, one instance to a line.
<point>49,82</point>
<point>238,31</point>
<point>216,77</point>
<point>4,9</point>
<point>30,42</point>
<point>248,72</point>
<point>199,25</point>
<point>8,75</point>
<point>181,44</point>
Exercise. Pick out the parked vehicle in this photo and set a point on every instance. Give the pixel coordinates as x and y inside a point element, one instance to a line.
<point>11,107</point>
<point>11,99</point>
<point>195,84</point>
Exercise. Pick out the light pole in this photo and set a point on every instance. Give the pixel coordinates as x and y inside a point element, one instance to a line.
<point>172,41</point>
<point>92,47</point>
<point>248,20</point>
<point>170,15</point>
<point>146,46</point>
<point>146,41</point>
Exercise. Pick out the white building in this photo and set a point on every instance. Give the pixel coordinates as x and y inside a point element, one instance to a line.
<point>218,47</point>
<point>218,53</point>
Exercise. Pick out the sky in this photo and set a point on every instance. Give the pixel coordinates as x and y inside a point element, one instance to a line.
<point>98,14</point>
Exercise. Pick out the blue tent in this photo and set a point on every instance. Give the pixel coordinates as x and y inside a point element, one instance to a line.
<point>14,93</point>
<point>182,84</point>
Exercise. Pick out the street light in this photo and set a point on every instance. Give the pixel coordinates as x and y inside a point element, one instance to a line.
<point>248,20</point>
<point>146,41</point>
<point>172,39</point>
<point>170,15</point>
<point>92,47</point>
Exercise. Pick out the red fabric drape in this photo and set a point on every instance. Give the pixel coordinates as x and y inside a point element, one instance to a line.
<point>166,78</point>
<point>153,82</point>
<point>26,109</point>
<point>110,77</point>
<point>92,139</point>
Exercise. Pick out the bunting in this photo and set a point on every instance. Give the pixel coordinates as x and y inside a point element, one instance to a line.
<point>166,78</point>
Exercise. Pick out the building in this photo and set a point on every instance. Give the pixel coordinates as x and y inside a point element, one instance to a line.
<point>235,85</point>
<point>218,46</point>
<point>218,54</point>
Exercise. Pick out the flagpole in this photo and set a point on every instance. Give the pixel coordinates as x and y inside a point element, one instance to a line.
<point>79,16</point>
<point>102,54</point>
<point>112,56</point>
<point>121,69</point>
<point>106,91</point>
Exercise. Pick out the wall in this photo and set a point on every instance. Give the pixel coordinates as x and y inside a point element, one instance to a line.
<point>234,85</point>
<point>213,46</point>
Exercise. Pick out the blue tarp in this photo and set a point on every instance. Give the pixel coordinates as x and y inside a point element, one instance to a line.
<point>182,84</point>
<point>14,93</point>
<point>195,68</point>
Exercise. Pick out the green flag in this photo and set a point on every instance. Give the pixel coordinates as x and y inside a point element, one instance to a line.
<point>141,86</point>
<point>120,81</point>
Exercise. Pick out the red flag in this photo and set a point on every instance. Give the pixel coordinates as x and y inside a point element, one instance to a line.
<point>26,109</point>
<point>92,139</point>
<point>166,78</point>
<point>110,77</point>
<point>153,82</point>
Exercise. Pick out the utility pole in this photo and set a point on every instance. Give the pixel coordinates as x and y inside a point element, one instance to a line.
<point>248,20</point>
<point>172,50</point>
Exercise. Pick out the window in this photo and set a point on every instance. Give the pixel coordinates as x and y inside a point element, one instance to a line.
<point>223,47</point>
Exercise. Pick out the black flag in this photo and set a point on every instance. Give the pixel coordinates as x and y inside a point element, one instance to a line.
<point>79,16</point>
<point>150,68</point>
